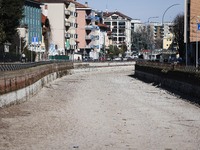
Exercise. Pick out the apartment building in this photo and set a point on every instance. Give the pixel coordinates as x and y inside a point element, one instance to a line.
<point>62,16</point>
<point>84,29</point>
<point>31,22</point>
<point>162,36</point>
<point>120,25</point>
<point>136,24</point>
<point>192,18</point>
<point>91,32</point>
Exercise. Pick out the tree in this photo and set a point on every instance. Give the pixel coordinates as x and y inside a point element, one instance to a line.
<point>113,51</point>
<point>178,31</point>
<point>158,43</point>
<point>11,13</point>
<point>2,34</point>
<point>140,38</point>
<point>123,49</point>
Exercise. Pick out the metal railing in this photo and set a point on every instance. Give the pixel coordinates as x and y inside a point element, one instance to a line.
<point>18,66</point>
<point>169,66</point>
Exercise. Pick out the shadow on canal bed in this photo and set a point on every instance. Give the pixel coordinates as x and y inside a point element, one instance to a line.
<point>188,98</point>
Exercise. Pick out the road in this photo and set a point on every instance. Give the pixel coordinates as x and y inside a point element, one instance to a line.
<point>101,110</point>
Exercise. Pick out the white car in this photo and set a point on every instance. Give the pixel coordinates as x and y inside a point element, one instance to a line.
<point>117,59</point>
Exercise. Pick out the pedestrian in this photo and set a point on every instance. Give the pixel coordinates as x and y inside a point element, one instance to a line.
<point>23,57</point>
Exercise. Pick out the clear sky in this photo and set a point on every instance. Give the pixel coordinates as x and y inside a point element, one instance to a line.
<point>140,9</point>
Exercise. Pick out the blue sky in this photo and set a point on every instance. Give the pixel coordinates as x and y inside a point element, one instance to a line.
<point>140,9</point>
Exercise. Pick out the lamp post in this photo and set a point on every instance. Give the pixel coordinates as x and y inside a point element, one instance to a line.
<point>164,15</point>
<point>166,11</point>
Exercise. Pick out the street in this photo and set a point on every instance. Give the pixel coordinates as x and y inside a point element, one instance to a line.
<point>101,110</point>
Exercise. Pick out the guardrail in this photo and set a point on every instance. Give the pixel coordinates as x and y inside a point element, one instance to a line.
<point>169,66</point>
<point>18,66</point>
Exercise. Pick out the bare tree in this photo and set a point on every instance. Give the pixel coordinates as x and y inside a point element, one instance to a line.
<point>178,31</point>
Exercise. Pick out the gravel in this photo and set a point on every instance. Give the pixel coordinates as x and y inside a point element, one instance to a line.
<point>101,110</point>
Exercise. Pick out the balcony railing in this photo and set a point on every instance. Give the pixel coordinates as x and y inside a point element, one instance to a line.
<point>89,27</point>
<point>88,37</point>
<point>67,23</point>
<point>67,35</point>
<point>67,12</point>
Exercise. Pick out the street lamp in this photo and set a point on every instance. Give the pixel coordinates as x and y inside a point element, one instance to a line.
<point>166,11</point>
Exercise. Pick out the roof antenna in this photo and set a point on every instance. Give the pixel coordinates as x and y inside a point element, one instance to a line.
<point>107,6</point>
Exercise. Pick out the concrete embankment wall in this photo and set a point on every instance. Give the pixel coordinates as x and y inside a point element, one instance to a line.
<point>18,86</point>
<point>182,88</point>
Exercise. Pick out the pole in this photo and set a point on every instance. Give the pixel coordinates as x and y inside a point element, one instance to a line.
<point>197,47</point>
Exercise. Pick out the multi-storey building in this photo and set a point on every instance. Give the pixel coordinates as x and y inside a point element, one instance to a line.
<point>136,24</point>
<point>192,19</point>
<point>84,29</point>
<point>91,32</point>
<point>162,35</point>
<point>62,16</point>
<point>32,21</point>
<point>120,25</point>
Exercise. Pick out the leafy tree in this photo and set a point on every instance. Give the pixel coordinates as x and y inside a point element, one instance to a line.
<point>11,12</point>
<point>158,43</point>
<point>178,31</point>
<point>2,34</point>
<point>123,49</point>
<point>113,51</point>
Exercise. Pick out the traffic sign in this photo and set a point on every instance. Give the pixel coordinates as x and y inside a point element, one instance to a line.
<point>198,26</point>
<point>34,40</point>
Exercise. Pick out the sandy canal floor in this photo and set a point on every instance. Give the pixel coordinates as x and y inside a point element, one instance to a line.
<point>101,111</point>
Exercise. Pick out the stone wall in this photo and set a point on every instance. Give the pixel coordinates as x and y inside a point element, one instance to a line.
<point>20,85</point>
<point>189,90</point>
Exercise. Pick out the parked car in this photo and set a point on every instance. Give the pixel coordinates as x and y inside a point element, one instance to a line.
<point>118,59</point>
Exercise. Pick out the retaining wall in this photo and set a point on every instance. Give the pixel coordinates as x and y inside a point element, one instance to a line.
<point>187,89</point>
<point>20,85</point>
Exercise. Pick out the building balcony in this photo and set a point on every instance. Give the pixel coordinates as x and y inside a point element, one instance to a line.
<point>88,46</point>
<point>67,35</point>
<point>89,27</point>
<point>121,34</point>
<point>67,12</point>
<point>88,37</point>
<point>122,26</point>
<point>67,23</point>
<point>89,17</point>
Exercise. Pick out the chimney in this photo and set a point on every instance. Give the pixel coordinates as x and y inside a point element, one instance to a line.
<point>86,4</point>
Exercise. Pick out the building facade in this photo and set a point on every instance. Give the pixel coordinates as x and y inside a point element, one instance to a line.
<point>62,16</point>
<point>32,20</point>
<point>120,25</point>
<point>192,18</point>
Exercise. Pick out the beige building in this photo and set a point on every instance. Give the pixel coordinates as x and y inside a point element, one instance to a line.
<point>167,40</point>
<point>62,16</point>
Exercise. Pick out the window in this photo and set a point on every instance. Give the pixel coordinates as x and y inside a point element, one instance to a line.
<point>75,14</point>
<point>75,36</point>
<point>75,25</point>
